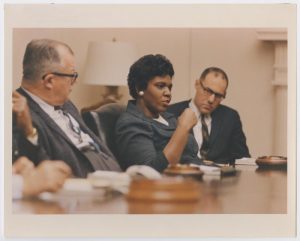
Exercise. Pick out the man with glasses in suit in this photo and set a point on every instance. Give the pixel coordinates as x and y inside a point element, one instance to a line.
<point>59,132</point>
<point>219,132</point>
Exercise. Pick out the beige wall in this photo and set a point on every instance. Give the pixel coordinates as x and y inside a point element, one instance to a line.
<point>247,61</point>
<point>172,43</point>
<point>249,65</point>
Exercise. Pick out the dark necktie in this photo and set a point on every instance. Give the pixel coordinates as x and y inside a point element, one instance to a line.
<point>205,138</point>
<point>74,128</point>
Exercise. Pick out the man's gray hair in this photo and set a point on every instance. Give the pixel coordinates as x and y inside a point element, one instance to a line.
<point>41,56</point>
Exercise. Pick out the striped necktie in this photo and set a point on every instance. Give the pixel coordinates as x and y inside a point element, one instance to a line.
<point>77,131</point>
<point>74,128</point>
<point>205,138</point>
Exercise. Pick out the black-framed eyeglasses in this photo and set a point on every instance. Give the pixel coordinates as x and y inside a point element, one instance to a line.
<point>210,92</point>
<point>74,76</point>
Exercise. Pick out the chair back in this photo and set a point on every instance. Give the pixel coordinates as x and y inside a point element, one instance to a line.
<point>102,122</point>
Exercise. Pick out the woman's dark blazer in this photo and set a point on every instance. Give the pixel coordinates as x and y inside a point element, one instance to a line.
<point>140,140</point>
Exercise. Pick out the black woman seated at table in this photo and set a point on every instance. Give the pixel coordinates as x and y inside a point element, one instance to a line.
<point>146,134</point>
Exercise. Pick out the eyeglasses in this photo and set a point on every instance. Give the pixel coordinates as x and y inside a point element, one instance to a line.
<point>210,92</point>
<point>74,76</point>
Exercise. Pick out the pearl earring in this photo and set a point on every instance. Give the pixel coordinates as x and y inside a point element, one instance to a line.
<point>141,93</point>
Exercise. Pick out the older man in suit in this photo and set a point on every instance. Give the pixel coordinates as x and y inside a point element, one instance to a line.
<point>59,131</point>
<point>219,132</point>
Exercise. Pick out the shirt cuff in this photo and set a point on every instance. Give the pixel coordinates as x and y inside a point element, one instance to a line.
<point>17,186</point>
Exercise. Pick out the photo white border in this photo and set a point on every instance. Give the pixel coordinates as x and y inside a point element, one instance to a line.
<point>144,16</point>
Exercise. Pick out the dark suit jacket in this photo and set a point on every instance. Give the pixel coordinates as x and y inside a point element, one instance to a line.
<point>140,140</point>
<point>53,143</point>
<point>227,140</point>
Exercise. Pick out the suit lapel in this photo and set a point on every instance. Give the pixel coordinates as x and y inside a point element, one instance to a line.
<point>186,104</point>
<point>35,108</point>
<point>216,125</point>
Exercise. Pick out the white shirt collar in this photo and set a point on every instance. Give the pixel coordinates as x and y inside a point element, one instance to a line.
<point>49,109</point>
<point>194,108</point>
<point>161,120</point>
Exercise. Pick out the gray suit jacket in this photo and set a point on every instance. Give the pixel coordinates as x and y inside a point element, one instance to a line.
<point>227,140</point>
<point>140,140</point>
<point>53,144</point>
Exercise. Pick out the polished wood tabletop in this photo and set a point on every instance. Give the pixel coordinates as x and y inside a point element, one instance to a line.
<point>251,191</point>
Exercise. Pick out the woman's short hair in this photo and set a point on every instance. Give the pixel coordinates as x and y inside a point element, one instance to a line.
<point>145,69</point>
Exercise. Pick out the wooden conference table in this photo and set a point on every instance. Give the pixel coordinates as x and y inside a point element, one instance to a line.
<point>251,191</point>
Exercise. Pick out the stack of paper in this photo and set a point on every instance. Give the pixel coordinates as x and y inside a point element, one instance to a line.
<point>246,161</point>
<point>107,179</point>
<point>209,170</point>
<point>75,187</point>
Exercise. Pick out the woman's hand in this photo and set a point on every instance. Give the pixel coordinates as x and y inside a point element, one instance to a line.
<point>187,119</point>
<point>176,145</point>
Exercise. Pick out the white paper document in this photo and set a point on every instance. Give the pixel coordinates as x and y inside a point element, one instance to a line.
<point>246,161</point>
<point>209,170</point>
